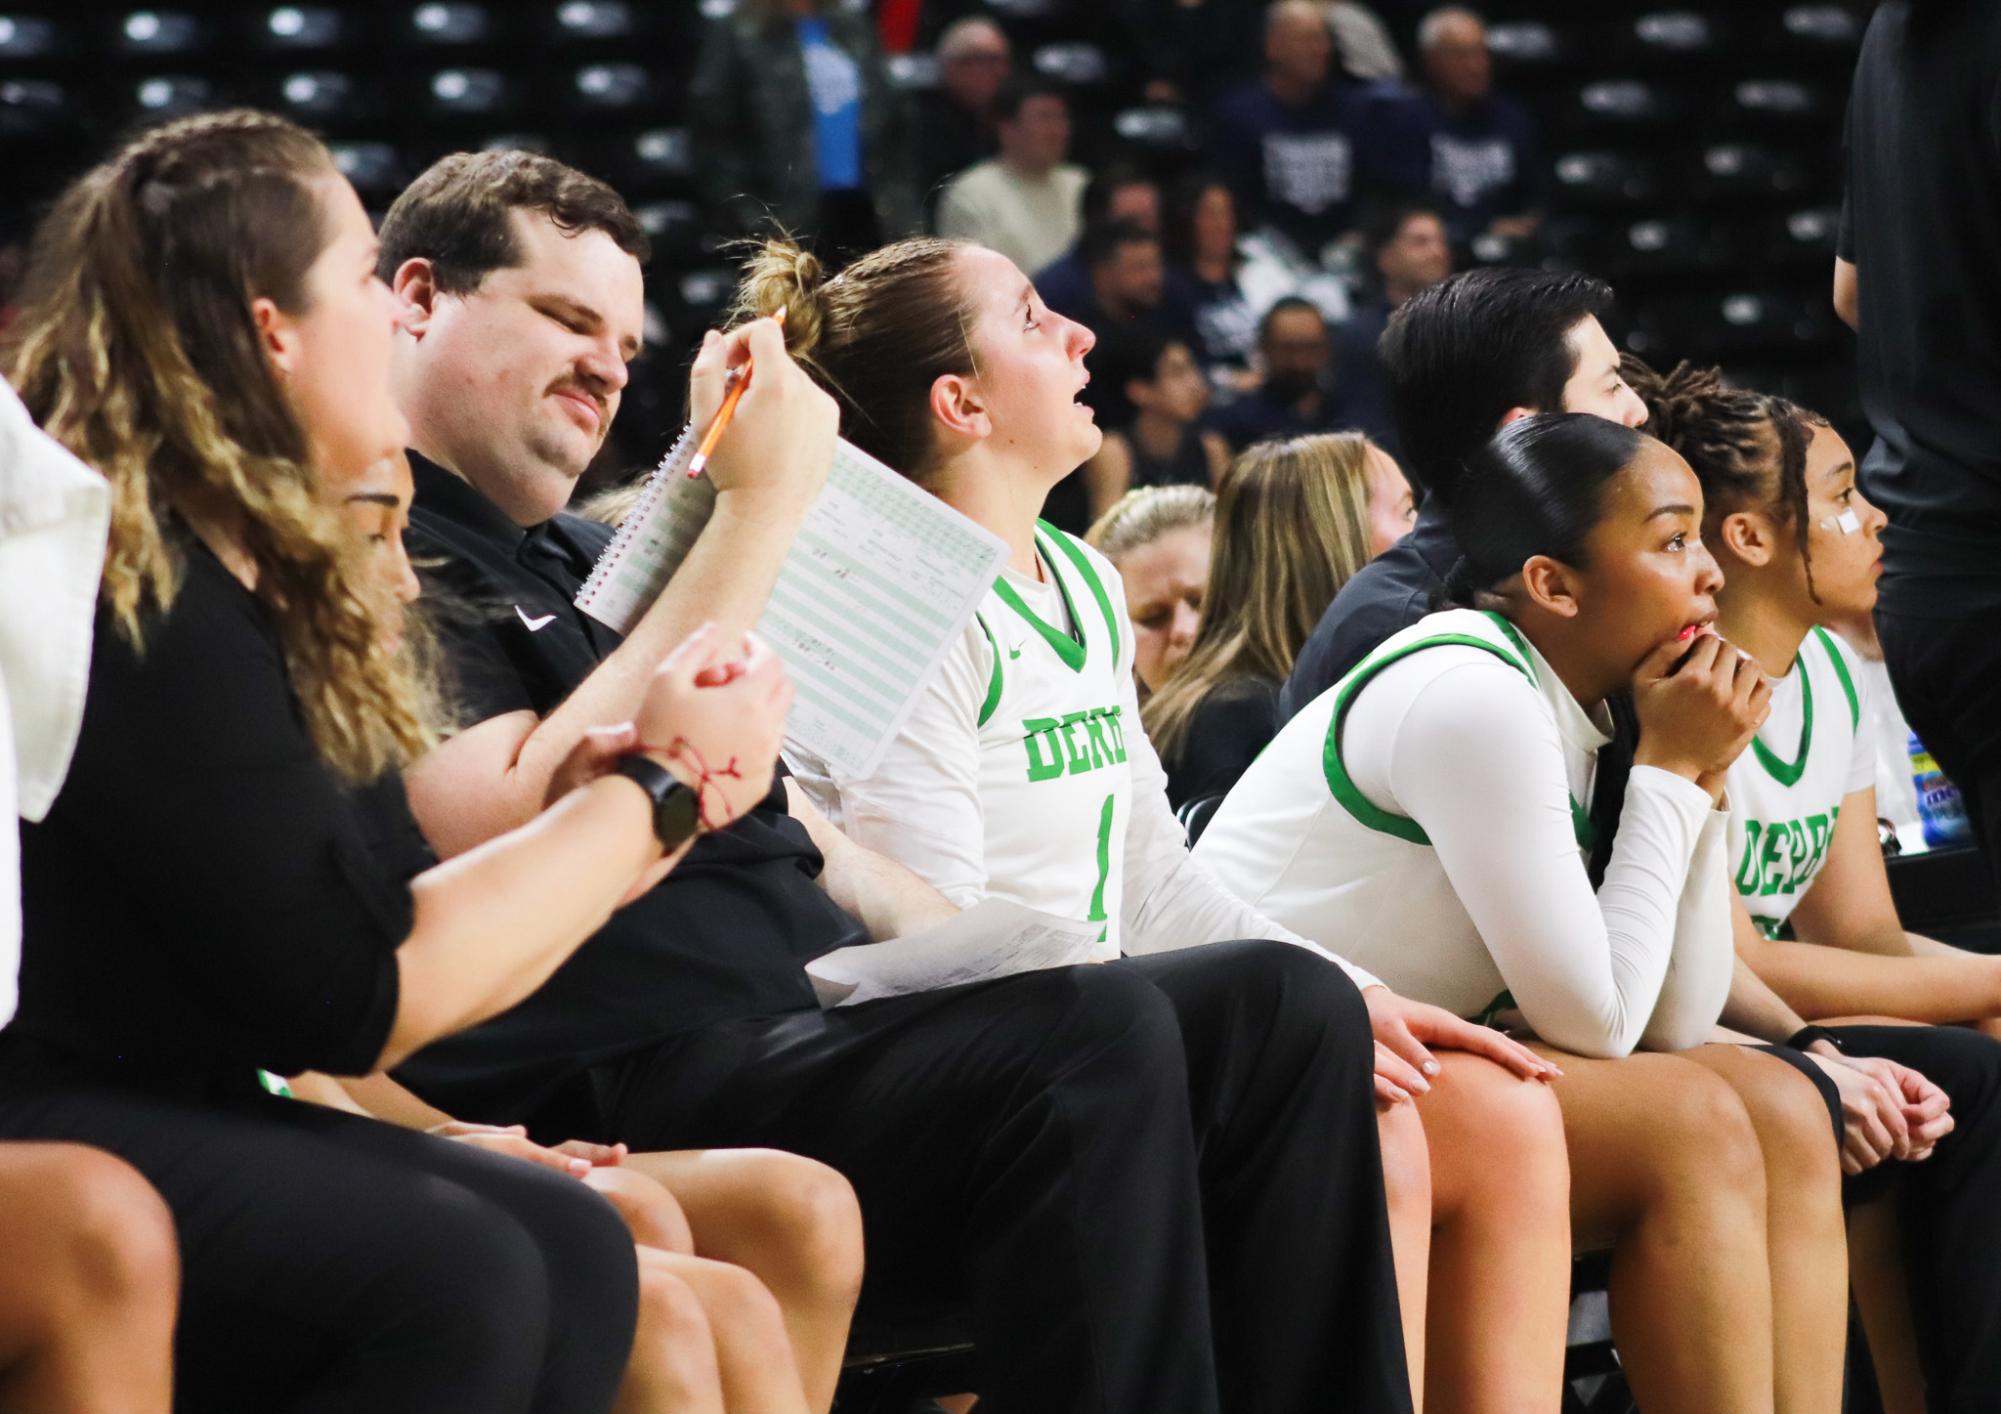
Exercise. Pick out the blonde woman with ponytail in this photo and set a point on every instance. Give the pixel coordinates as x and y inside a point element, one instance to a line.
<point>1024,774</point>
<point>203,325</point>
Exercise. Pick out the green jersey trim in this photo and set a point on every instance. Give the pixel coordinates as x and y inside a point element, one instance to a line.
<point>1841,673</point>
<point>1342,785</point>
<point>1787,773</point>
<point>1068,546</point>
<point>1068,646</point>
<point>994,677</point>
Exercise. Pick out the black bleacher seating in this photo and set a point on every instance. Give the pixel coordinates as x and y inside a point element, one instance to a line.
<point>451,22</point>
<point>162,32</point>
<point>290,28</point>
<point>469,92</point>
<point>30,37</point>
<point>586,20</point>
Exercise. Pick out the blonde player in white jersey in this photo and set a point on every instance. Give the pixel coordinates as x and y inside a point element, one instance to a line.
<point>1798,544</point>
<point>1024,774</point>
<point>1426,807</point>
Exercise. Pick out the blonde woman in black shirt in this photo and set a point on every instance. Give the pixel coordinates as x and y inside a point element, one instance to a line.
<point>201,901</point>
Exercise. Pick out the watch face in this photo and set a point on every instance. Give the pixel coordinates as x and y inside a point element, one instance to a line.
<point>677,816</point>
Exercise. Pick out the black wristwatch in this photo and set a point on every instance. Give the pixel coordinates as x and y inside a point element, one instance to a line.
<point>677,810</point>
<point>1807,1035</point>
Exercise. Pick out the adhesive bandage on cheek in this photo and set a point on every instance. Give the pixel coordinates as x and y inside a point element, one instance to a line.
<point>1848,523</point>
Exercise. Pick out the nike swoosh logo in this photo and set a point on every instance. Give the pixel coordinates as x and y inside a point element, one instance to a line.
<point>534,625</point>
<point>1014,653</point>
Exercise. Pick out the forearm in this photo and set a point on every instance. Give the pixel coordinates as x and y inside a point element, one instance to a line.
<point>390,1100</point>
<point>492,924</point>
<point>891,901</point>
<point>1754,1008</point>
<point>1824,981</point>
<point>725,581</point>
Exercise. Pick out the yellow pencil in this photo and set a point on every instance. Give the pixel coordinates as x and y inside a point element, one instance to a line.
<point>739,380</point>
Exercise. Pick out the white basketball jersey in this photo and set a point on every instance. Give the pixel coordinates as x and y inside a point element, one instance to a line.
<point>1054,784</point>
<point>1786,789</point>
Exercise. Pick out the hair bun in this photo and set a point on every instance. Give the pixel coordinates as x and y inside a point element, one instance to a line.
<point>782,274</point>
<point>1675,400</point>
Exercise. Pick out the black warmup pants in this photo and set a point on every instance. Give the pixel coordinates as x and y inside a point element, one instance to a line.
<point>331,1264</point>
<point>1947,674</point>
<point>1950,1210</point>
<point>1156,1182</point>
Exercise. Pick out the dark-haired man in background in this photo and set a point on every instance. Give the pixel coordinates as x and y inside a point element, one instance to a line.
<point>1294,395</point>
<point>1464,358</point>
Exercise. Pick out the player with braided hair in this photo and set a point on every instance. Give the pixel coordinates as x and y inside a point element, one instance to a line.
<point>1798,544</point>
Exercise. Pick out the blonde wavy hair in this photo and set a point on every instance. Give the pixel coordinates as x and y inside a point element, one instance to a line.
<point>1292,527</point>
<point>1143,515</point>
<point>136,348</point>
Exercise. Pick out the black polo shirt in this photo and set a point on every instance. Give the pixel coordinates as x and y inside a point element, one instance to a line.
<point>725,936</point>
<point>1922,222</point>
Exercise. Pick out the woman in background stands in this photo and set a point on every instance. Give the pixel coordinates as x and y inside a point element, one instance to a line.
<point>204,325</point>
<point>1161,445</point>
<point>1024,774</point>
<point>1158,540</point>
<point>1295,519</point>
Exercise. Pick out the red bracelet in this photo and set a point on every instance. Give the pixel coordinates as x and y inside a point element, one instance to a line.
<point>682,753</point>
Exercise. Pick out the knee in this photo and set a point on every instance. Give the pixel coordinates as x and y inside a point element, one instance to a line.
<point>119,1232</point>
<point>1793,1125</point>
<point>815,1220</point>
<point>1704,1147</point>
<point>1502,1124</point>
<point>674,1337</point>
<point>741,1310</point>
<point>1101,1016</point>
<point>649,1210</point>
<point>1406,1163</point>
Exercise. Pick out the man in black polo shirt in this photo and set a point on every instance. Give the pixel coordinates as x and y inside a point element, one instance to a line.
<point>1081,1155</point>
<point>1919,275</point>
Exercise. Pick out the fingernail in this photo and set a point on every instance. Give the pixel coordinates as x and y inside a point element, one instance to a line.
<point>1685,634</point>
<point>1398,1097</point>
<point>1431,1067</point>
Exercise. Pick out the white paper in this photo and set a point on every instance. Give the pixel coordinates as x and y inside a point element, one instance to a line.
<point>880,580</point>
<point>993,938</point>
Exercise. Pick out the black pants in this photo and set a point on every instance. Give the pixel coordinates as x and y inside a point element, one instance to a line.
<point>1947,674</point>
<point>331,1263</point>
<point>1950,1210</point>
<point>1156,1182</point>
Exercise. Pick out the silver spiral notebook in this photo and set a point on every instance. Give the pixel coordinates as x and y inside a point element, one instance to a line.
<point>880,580</point>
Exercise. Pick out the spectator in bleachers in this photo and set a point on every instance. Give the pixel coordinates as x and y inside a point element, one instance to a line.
<point>1294,521</point>
<point>1798,545</point>
<point>1157,538</point>
<point>1293,396</point>
<point>794,118</point>
<point>1437,787</point>
<point>87,1317</point>
<point>1128,287</point>
<point>1117,192</point>
<point>1190,50</point>
<point>1293,142</point>
<point>1204,261</point>
<point>1162,441</point>
<point>957,125</point>
<point>1464,357</point>
<point>1025,203</point>
<point>201,900</point>
<point>1457,142</point>
<point>1079,1247</point>
<point>987,421</point>
<point>1407,244</point>
<point>1915,274</point>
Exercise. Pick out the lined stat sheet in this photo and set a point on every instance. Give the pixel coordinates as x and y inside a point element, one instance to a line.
<point>881,579</point>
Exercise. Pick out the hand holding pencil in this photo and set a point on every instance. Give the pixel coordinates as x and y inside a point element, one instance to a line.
<point>767,430</point>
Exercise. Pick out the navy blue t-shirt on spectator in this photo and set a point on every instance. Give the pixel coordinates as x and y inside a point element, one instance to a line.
<point>1257,416</point>
<point>1295,168</point>
<point>1224,324</point>
<point>1477,165</point>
